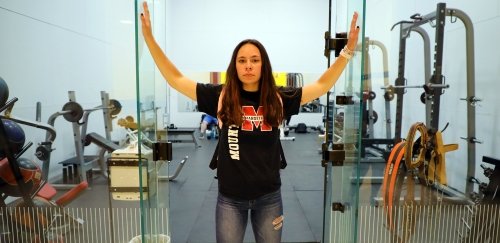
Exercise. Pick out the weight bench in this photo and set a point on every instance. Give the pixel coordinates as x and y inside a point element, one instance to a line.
<point>71,164</point>
<point>179,132</point>
<point>101,142</point>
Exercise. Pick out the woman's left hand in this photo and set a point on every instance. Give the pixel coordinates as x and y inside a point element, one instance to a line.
<point>352,41</point>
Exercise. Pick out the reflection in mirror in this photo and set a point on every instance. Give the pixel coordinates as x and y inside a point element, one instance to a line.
<point>282,79</point>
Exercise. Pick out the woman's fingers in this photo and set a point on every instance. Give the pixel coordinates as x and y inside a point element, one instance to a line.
<point>353,33</point>
<point>354,21</point>
<point>145,12</point>
<point>145,7</point>
<point>146,22</point>
<point>354,27</point>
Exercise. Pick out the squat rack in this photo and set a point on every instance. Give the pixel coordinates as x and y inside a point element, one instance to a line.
<point>434,84</point>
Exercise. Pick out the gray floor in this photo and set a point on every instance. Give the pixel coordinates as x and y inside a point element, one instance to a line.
<point>94,217</point>
<point>193,193</point>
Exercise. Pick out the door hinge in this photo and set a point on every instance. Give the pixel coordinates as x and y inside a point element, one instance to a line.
<point>336,206</point>
<point>344,100</point>
<point>162,151</point>
<point>336,155</point>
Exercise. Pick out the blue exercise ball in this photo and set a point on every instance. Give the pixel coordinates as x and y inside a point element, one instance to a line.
<point>15,137</point>
<point>4,92</point>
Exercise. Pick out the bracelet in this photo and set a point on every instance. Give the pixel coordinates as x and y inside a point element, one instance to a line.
<point>345,52</point>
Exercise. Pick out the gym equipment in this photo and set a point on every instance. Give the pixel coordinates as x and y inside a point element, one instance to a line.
<point>31,175</point>
<point>484,227</point>
<point>383,49</point>
<point>101,141</point>
<point>374,150</point>
<point>80,168</point>
<point>212,132</point>
<point>437,162</point>
<point>414,161</point>
<point>435,81</point>
<point>294,80</point>
<point>72,111</point>
<point>15,135</point>
<point>4,92</point>
<point>176,172</point>
<point>124,173</point>
<point>301,128</point>
<point>313,106</point>
<point>180,132</point>
<point>284,131</point>
<point>131,127</point>
<point>124,179</point>
<point>33,213</point>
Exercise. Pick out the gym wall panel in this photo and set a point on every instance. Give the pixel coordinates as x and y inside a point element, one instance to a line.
<point>51,47</point>
<point>205,38</point>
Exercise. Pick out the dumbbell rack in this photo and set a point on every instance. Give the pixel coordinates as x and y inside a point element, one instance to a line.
<point>80,167</point>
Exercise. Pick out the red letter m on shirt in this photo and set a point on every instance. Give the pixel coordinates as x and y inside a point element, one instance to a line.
<point>252,118</point>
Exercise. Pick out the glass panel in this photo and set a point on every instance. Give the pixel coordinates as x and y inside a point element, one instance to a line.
<point>79,77</point>
<point>341,193</point>
<point>423,189</point>
<point>154,182</point>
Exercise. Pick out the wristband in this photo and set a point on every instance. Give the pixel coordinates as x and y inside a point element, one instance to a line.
<point>345,52</point>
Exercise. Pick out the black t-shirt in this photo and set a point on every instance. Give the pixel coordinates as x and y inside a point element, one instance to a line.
<point>248,164</point>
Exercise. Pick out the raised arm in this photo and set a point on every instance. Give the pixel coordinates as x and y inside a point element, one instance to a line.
<point>332,74</point>
<point>168,70</point>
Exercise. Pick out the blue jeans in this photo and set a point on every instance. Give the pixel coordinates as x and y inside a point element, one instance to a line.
<point>266,215</point>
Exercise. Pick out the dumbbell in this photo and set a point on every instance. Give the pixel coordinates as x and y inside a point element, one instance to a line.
<point>116,107</point>
<point>72,111</point>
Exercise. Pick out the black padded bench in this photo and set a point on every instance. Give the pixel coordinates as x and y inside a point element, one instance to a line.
<point>102,142</point>
<point>177,132</point>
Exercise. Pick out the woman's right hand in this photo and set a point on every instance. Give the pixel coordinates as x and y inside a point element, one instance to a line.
<point>146,21</point>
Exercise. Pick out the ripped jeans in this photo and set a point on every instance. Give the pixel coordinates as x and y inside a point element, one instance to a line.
<point>266,215</point>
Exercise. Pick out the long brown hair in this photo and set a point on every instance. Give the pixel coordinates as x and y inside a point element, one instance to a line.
<point>230,112</point>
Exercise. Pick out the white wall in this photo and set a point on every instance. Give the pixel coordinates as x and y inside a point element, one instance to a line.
<point>50,47</point>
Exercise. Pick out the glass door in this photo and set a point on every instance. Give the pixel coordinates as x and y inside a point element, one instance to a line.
<point>342,150</point>
<point>154,201</point>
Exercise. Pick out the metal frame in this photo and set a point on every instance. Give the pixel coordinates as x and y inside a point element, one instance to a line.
<point>85,163</point>
<point>369,103</point>
<point>432,108</point>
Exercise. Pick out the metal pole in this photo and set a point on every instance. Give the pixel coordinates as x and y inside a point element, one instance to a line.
<point>329,107</point>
